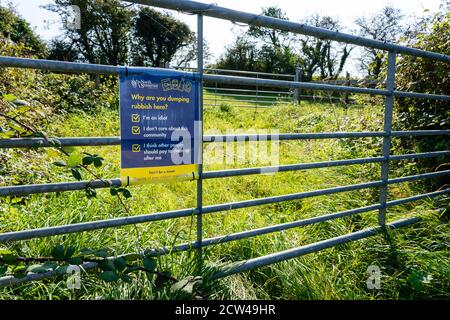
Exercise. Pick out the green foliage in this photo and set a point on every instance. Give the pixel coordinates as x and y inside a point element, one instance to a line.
<point>267,50</point>
<point>112,33</point>
<point>160,36</point>
<point>110,269</point>
<point>116,191</point>
<point>323,56</point>
<point>385,25</point>
<point>262,49</point>
<point>103,34</point>
<point>225,107</point>
<point>242,55</point>
<point>74,93</point>
<point>275,37</point>
<point>338,273</point>
<point>17,30</point>
<point>426,76</point>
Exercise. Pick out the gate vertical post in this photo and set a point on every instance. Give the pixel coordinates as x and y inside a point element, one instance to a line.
<point>388,111</point>
<point>297,78</point>
<point>200,158</point>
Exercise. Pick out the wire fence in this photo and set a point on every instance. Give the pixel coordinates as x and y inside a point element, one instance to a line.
<point>382,184</point>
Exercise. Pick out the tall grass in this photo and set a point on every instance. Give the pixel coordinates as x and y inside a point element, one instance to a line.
<point>414,261</point>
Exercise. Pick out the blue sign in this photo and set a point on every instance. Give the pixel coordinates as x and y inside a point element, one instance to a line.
<point>158,125</point>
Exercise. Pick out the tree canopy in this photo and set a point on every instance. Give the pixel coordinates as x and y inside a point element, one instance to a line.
<point>115,34</point>
<point>385,25</point>
<point>267,50</point>
<point>160,36</point>
<point>16,29</point>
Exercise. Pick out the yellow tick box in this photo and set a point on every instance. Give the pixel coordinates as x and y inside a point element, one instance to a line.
<point>135,130</point>
<point>136,148</point>
<point>135,118</point>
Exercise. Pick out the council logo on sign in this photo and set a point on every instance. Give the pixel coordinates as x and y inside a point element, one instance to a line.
<point>141,84</point>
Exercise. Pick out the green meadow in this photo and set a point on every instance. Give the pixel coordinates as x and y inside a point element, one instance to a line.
<point>414,261</point>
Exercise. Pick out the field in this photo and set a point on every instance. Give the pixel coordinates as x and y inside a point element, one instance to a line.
<point>414,261</point>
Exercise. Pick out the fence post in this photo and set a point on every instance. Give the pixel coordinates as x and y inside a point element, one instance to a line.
<point>200,158</point>
<point>389,104</point>
<point>257,93</point>
<point>298,78</point>
<point>347,83</point>
<point>215,94</point>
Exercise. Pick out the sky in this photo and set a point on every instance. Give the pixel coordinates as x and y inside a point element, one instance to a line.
<point>220,33</point>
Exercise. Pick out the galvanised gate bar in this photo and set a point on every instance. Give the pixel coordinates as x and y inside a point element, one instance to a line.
<point>201,9</point>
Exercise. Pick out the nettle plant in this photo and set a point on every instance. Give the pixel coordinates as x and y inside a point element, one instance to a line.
<point>18,118</point>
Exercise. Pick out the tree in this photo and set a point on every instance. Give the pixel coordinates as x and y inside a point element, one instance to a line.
<point>276,38</point>
<point>62,51</point>
<point>17,30</point>
<point>267,50</point>
<point>427,76</point>
<point>324,56</point>
<point>281,60</point>
<point>241,55</point>
<point>275,53</point>
<point>384,26</point>
<point>111,33</point>
<point>103,33</point>
<point>160,36</point>
<point>187,54</point>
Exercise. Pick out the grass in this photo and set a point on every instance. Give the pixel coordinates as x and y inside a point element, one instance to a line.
<point>245,99</point>
<point>406,256</point>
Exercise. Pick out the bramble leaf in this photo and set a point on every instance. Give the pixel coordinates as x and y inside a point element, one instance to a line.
<point>126,278</point>
<point>75,261</point>
<point>91,192</point>
<point>88,160</point>
<point>98,162</point>
<point>149,263</point>
<point>161,279</point>
<point>113,191</point>
<point>76,173</point>
<point>101,253</point>
<point>60,163</point>
<point>106,265</point>
<point>120,264</point>
<point>109,276</point>
<point>20,272</point>
<point>126,193</point>
<point>69,252</point>
<point>58,252</point>
<point>75,159</point>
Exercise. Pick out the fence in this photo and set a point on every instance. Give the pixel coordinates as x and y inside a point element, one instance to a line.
<point>250,96</point>
<point>200,9</point>
<point>254,96</point>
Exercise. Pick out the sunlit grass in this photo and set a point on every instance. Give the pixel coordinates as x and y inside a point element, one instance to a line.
<point>337,273</point>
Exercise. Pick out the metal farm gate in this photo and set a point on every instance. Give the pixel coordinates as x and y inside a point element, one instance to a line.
<point>201,10</point>
<point>217,95</point>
